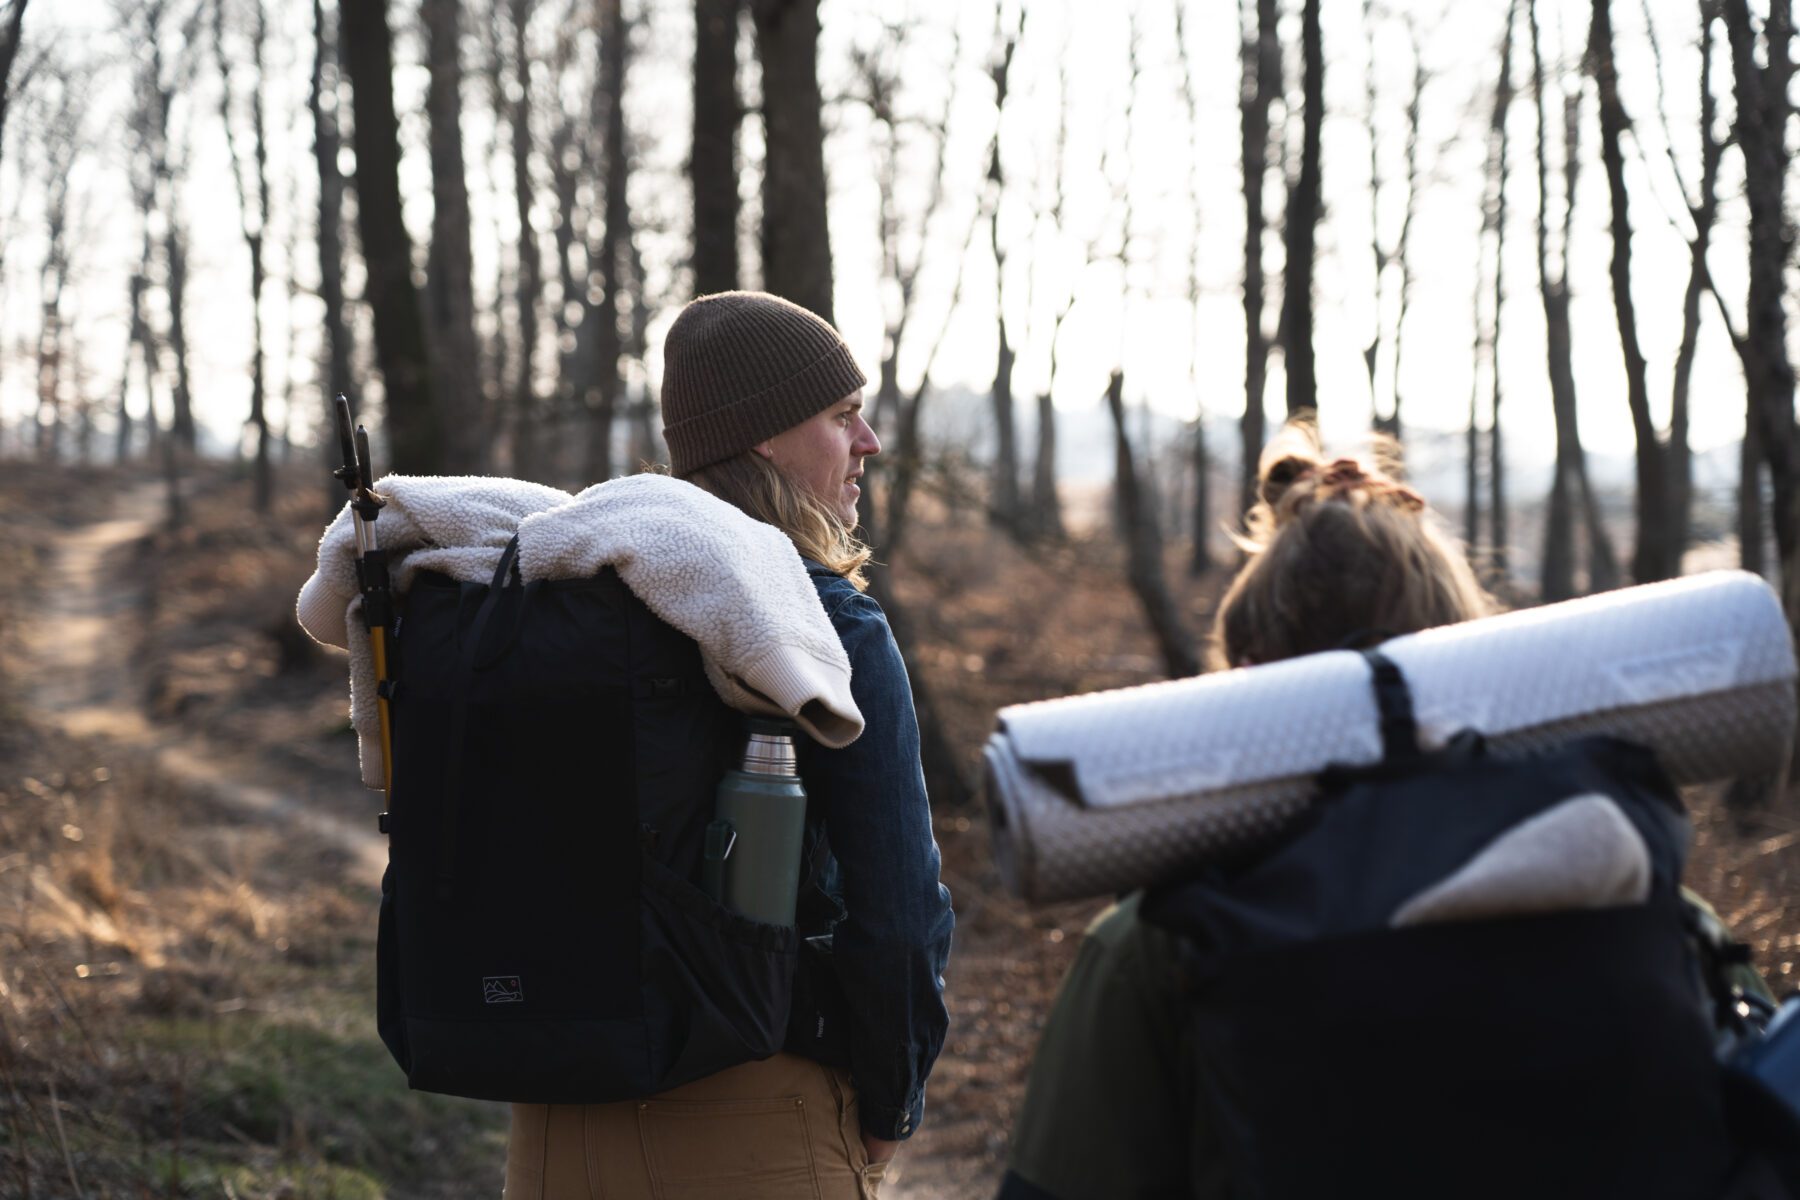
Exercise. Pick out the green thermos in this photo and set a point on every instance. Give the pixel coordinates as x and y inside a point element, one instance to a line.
<point>752,852</point>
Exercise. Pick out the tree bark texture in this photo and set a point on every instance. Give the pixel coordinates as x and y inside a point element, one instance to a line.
<point>1704,214</point>
<point>796,234</point>
<point>53,276</point>
<point>1144,545</point>
<point>1200,516</point>
<point>414,427</point>
<point>1752,525</point>
<point>449,279</point>
<point>1499,534</point>
<point>713,169</point>
<point>1259,85</point>
<point>1004,501</point>
<point>183,431</point>
<point>326,143</point>
<point>528,458</point>
<point>1046,505</point>
<point>1656,556</point>
<point>1569,486</point>
<point>1301,226</point>
<point>252,180</point>
<point>615,242</point>
<point>1763,113</point>
<point>10,34</point>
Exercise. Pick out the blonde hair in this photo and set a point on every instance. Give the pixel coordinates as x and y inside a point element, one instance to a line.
<point>754,484</point>
<point>1341,557</point>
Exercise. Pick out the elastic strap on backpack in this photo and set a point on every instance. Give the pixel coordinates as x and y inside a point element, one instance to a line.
<point>459,715</point>
<point>1393,699</point>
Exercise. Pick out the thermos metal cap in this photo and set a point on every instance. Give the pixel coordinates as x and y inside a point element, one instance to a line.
<point>770,750</point>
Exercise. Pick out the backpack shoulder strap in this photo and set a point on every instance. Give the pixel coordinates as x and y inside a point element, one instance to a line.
<point>1393,699</point>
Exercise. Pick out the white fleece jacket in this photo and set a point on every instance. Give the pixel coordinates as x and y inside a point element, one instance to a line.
<point>732,583</point>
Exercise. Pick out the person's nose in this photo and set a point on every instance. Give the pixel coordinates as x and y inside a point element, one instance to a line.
<point>866,445</point>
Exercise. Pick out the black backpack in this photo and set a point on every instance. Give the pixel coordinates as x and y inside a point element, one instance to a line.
<point>556,748</point>
<point>1573,1054</point>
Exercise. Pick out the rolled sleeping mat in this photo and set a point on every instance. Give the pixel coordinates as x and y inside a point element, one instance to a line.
<point>1117,790</point>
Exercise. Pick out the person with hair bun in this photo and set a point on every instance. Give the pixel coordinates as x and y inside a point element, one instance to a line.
<point>1340,556</point>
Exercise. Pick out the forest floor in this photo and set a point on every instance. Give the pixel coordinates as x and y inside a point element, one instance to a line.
<point>188,865</point>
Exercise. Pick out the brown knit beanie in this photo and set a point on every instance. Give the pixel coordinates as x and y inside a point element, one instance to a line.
<point>740,367</point>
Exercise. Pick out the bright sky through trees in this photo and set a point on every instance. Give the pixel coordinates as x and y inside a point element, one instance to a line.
<point>1135,315</point>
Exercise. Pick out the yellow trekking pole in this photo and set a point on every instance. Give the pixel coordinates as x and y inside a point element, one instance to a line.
<point>371,572</point>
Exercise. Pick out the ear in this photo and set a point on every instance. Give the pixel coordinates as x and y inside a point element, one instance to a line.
<point>765,449</point>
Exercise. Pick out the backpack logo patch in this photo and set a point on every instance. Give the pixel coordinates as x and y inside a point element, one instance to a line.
<point>502,989</point>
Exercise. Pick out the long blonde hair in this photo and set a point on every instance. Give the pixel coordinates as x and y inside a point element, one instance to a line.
<point>1341,556</point>
<point>755,485</point>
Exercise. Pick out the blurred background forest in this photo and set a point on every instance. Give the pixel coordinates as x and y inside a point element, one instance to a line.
<point>1090,255</point>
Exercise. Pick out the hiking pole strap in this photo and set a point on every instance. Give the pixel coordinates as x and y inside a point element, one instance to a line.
<point>1393,699</point>
<point>459,720</point>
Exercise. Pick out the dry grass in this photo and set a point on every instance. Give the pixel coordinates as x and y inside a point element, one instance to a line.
<point>185,989</point>
<point>186,992</point>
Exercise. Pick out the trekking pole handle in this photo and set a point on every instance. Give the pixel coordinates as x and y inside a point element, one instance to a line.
<point>366,501</point>
<point>350,473</point>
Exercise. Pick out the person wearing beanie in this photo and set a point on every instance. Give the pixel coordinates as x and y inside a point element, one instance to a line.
<point>762,407</point>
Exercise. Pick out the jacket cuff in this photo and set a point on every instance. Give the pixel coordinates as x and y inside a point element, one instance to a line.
<point>892,1124</point>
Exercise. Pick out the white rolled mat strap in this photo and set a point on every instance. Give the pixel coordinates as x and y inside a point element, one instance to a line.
<point>1109,791</point>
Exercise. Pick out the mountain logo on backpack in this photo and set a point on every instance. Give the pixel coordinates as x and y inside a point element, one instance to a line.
<point>502,989</point>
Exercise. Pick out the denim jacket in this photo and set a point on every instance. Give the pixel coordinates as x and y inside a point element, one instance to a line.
<point>874,885</point>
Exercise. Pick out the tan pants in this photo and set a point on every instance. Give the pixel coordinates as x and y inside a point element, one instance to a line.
<point>782,1129</point>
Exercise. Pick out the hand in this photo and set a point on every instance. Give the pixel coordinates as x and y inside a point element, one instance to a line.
<point>878,1149</point>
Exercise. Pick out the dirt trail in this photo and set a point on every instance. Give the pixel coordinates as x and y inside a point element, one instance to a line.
<point>84,666</point>
<point>80,644</point>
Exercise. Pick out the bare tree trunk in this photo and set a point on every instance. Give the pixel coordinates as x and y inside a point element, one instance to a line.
<point>330,234</point>
<point>907,465</point>
<point>1301,225</point>
<point>449,279</point>
<point>253,209</point>
<point>1656,556</point>
<point>61,146</point>
<point>415,430</point>
<point>12,26</point>
<point>1752,527</point>
<point>1143,546</point>
<point>182,429</point>
<point>1258,88</point>
<point>139,338</point>
<point>1472,435</point>
<point>1046,506</point>
<point>1764,109</point>
<point>573,311</point>
<point>1704,213</point>
<point>497,382</point>
<point>1570,485</point>
<point>166,167</point>
<point>615,243</point>
<point>878,74</point>
<point>796,236</point>
<point>51,280</point>
<point>1558,576</point>
<point>1372,351</point>
<point>713,167</point>
<point>1200,516</point>
<point>1499,534</point>
<point>1415,109</point>
<point>527,449</point>
<point>1004,503</point>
